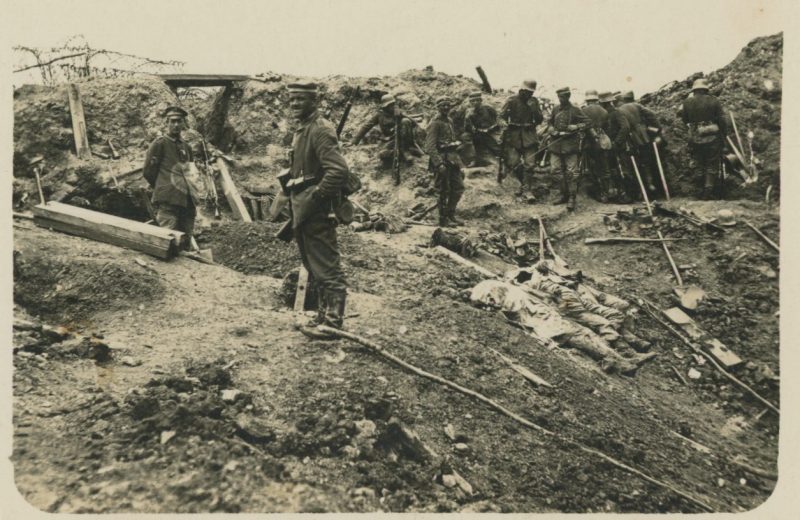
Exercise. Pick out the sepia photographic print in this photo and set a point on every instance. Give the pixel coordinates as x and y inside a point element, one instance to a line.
<point>399,257</point>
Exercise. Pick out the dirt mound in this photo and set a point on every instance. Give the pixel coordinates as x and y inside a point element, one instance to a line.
<point>127,111</point>
<point>70,290</point>
<point>751,87</point>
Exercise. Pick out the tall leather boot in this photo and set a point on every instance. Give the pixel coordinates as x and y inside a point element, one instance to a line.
<point>451,210</point>
<point>334,316</point>
<point>322,306</point>
<point>564,191</point>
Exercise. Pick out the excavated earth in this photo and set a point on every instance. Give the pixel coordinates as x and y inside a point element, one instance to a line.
<point>178,386</point>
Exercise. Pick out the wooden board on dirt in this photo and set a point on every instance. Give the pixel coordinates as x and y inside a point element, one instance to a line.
<point>713,346</point>
<point>302,289</point>
<point>232,194</point>
<point>153,240</point>
<point>78,122</point>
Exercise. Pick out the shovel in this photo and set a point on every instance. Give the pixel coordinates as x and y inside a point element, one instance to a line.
<point>691,295</point>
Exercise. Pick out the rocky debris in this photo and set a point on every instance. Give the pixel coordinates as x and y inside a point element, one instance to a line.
<point>751,87</point>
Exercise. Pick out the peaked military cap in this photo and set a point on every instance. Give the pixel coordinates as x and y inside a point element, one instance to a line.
<point>443,100</point>
<point>175,111</point>
<point>606,97</point>
<point>700,84</point>
<point>591,95</point>
<point>529,85</point>
<point>563,90</point>
<point>386,100</point>
<point>302,88</point>
<point>475,95</point>
<point>627,96</point>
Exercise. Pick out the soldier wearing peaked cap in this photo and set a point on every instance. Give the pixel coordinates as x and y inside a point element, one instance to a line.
<point>597,144</point>
<point>480,124</point>
<point>315,185</point>
<point>705,119</point>
<point>445,163</point>
<point>167,163</point>
<point>568,122</point>
<point>522,114</point>
<point>386,120</point>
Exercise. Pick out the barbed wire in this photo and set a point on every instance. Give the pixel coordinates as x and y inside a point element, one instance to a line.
<point>72,61</point>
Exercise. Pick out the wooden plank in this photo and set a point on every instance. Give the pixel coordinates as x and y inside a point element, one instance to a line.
<point>108,237</point>
<point>78,122</point>
<point>253,208</point>
<point>722,353</point>
<point>232,194</point>
<point>712,345</point>
<point>677,316</point>
<point>201,80</point>
<point>302,289</point>
<point>108,228</point>
<point>55,210</point>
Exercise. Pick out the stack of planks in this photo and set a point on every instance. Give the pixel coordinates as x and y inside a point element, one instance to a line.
<point>153,240</point>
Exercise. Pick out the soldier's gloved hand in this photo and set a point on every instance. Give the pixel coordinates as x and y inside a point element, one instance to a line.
<point>572,128</point>
<point>658,139</point>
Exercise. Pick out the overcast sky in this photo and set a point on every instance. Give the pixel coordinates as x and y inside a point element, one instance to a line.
<point>601,44</point>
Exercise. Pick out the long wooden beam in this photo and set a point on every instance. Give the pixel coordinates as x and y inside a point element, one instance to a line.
<point>232,194</point>
<point>78,122</point>
<point>153,240</point>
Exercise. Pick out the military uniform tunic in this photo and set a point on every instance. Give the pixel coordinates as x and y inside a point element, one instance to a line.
<point>446,165</point>
<point>698,111</point>
<point>320,172</point>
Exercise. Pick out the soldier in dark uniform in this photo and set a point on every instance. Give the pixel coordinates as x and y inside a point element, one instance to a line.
<point>314,185</point>
<point>639,141</point>
<point>521,114</point>
<point>385,119</point>
<point>594,153</point>
<point>567,121</point>
<point>165,167</point>
<point>445,163</point>
<point>618,130</point>
<point>707,125</point>
<point>480,124</point>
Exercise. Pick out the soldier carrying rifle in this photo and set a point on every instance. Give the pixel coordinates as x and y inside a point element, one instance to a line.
<point>445,163</point>
<point>522,114</point>
<point>568,122</point>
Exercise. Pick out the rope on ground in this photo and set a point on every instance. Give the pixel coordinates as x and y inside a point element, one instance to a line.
<point>648,308</point>
<point>378,349</point>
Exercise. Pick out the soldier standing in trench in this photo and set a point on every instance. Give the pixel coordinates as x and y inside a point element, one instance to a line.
<point>568,122</point>
<point>165,168</point>
<point>640,147</point>
<point>522,114</point>
<point>707,125</point>
<point>595,154</point>
<point>618,130</point>
<point>314,185</point>
<point>445,163</point>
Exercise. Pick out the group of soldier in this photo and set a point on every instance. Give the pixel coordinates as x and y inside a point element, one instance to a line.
<point>612,143</point>
<point>610,131</point>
